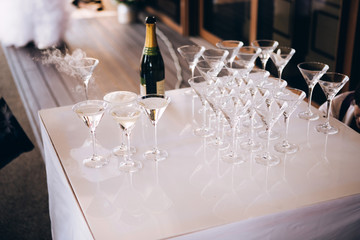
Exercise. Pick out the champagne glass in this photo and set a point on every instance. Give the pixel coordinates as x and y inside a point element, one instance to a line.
<point>293,97</point>
<point>91,112</point>
<point>200,84</point>
<point>121,97</point>
<point>280,57</point>
<point>154,106</point>
<point>191,53</point>
<point>232,46</point>
<point>126,115</point>
<point>267,47</point>
<point>331,83</point>
<point>84,69</point>
<point>269,118</point>
<point>311,72</point>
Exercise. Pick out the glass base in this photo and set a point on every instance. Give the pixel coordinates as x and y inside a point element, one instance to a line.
<point>218,143</point>
<point>156,155</point>
<point>266,159</point>
<point>233,158</point>
<point>326,128</point>
<point>250,146</point>
<point>95,161</point>
<point>286,147</point>
<point>203,132</point>
<point>130,166</point>
<point>122,150</point>
<point>308,116</point>
<point>273,135</point>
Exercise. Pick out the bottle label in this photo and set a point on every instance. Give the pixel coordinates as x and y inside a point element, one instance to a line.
<point>160,88</point>
<point>151,51</point>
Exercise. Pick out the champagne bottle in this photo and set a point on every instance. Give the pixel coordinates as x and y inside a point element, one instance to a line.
<point>152,71</point>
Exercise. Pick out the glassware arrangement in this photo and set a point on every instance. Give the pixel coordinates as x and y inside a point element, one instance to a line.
<point>121,97</point>
<point>84,69</point>
<point>267,47</point>
<point>91,113</point>
<point>154,106</point>
<point>311,72</point>
<point>293,97</point>
<point>126,115</point>
<point>330,83</point>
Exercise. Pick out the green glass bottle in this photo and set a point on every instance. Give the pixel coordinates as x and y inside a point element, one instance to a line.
<point>152,71</point>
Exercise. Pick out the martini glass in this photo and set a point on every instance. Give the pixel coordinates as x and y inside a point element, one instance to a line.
<point>331,83</point>
<point>215,58</point>
<point>293,98</point>
<point>91,112</point>
<point>154,106</point>
<point>247,55</point>
<point>270,86</point>
<point>267,47</point>
<point>83,69</point>
<point>280,57</point>
<point>191,53</point>
<point>121,97</point>
<point>312,72</point>
<point>232,109</point>
<point>232,46</point>
<point>200,84</point>
<point>269,118</point>
<point>126,115</point>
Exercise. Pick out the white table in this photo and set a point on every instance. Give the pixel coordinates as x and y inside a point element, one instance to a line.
<point>313,194</point>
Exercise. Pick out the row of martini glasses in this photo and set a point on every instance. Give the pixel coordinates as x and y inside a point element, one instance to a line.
<point>125,108</point>
<point>232,90</point>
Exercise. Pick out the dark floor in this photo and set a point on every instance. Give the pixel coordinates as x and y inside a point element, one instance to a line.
<point>24,212</point>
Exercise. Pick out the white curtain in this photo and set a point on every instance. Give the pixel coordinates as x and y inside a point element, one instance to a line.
<point>40,21</point>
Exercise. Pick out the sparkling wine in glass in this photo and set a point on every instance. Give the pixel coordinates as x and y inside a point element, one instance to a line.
<point>121,97</point>
<point>331,83</point>
<point>293,97</point>
<point>154,106</point>
<point>191,53</point>
<point>280,57</point>
<point>311,72</point>
<point>267,47</point>
<point>83,69</point>
<point>91,113</point>
<point>232,46</point>
<point>126,115</point>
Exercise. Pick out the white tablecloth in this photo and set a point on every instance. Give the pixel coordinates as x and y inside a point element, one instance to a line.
<point>313,194</point>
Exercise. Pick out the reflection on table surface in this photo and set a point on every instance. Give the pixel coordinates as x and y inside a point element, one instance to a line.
<point>193,189</point>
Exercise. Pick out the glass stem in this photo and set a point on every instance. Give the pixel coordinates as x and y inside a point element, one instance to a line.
<point>251,127</point>
<point>155,135</point>
<point>286,121</point>
<point>280,72</point>
<point>328,112</point>
<point>127,134</point>
<point>268,140</point>
<point>310,97</point>
<point>234,139</point>
<point>122,135</point>
<point>86,90</point>
<point>204,116</point>
<point>92,133</point>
